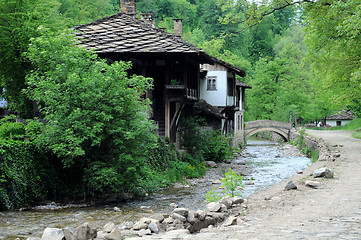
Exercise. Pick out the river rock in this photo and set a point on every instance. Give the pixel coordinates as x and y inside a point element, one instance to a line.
<point>179,217</point>
<point>158,217</point>
<point>181,211</point>
<point>290,185</point>
<point>211,164</point>
<point>217,181</point>
<point>230,221</point>
<point>140,225</point>
<point>237,200</point>
<point>144,232</point>
<point>313,184</point>
<point>153,227</point>
<point>214,207</point>
<point>101,235</point>
<point>33,238</point>
<point>323,172</point>
<point>109,227</point>
<point>240,162</point>
<point>85,232</point>
<point>168,220</point>
<point>191,217</point>
<point>70,233</point>
<point>115,234</point>
<point>223,208</point>
<point>227,201</point>
<point>116,209</point>
<point>201,215</point>
<point>52,234</point>
<point>173,205</point>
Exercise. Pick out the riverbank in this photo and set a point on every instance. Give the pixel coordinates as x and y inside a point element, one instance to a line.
<point>332,212</point>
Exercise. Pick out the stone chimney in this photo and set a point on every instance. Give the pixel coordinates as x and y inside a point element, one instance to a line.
<point>148,18</point>
<point>178,31</point>
<point>128,7</point>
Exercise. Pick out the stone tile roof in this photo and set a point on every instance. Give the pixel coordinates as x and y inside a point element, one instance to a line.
<point>341,115</point>
<point>122,33</point>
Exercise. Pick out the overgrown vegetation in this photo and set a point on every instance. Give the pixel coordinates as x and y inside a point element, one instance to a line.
<point>204,144</point>
<point>301,143</point>
<point>232,185</point>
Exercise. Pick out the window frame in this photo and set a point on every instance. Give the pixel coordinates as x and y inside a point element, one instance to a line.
<point>211,83</point>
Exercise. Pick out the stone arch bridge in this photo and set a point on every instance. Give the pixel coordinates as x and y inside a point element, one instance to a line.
<point>281,128</point>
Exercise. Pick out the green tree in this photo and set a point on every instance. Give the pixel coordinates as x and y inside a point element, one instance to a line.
<point>19,22</point>
<point>334,41</point>
<point>97,118</point>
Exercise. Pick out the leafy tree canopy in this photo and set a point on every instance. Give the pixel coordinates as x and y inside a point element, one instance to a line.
<point>96,116</point>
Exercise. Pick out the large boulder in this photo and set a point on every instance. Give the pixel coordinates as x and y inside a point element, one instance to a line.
<point>52,234</point>
<point>237,200</point>
<point>179,217</point>
<point>313,184</point>
<point>230,221</point>
<point>290,185</point>
<point>211,164</point>
<point>181,211</point>
<point>214,207</point>
<point>85,232</point>
<point>323,172</point>
<point>109,227</point>
<point>115,234</point>
<point>70,233</point>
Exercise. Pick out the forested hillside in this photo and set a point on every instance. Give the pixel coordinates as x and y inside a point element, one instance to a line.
<point>301,57</point>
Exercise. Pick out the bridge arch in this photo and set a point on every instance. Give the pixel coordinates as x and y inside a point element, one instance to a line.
<point>277,131</point>
<point>281,128</point>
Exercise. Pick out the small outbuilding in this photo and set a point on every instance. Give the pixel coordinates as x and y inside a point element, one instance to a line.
<point>341,118</point>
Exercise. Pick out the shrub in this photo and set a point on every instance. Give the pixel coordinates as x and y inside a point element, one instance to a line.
<point>203,144</point>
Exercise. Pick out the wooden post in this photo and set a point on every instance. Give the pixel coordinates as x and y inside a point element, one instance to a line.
<point>167,115</point>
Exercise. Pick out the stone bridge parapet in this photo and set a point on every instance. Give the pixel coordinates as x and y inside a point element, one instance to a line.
<point>281,128</point>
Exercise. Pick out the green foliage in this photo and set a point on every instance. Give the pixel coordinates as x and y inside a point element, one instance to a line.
<point>217,147</point>
<point>333,39</point>
<point>204,144</point>
<point>11,130</point>
<point>95,113</point>
<point>213,195</point>
<point>357,135</point>
<point>26,174</point>
<point>19,22</point>
<point>232,185</point>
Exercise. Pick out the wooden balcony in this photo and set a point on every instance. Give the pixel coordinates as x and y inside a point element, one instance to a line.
<point>181,93</point>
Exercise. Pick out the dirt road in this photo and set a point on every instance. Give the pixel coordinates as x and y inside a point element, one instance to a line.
<point>333,212</point>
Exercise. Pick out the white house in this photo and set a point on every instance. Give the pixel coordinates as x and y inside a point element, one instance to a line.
<point>341,118</point>
<point>220,89</point>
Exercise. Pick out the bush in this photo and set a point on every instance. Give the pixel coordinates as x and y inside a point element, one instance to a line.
<point>217,147</point>
<point>203,144</point>
<point>25,173</point>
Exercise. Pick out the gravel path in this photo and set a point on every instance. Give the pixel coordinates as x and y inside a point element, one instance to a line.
<point>333,212</point>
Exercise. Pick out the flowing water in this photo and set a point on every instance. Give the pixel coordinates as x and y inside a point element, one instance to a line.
<point>270,162</point>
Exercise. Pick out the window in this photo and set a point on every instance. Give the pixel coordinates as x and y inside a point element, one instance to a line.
<point>338,123</point>
<point>211,83</point>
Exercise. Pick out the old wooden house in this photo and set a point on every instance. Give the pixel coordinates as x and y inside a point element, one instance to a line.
<point>173,63</point>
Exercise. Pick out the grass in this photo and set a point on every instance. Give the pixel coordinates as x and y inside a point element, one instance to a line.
<point>355,124</point>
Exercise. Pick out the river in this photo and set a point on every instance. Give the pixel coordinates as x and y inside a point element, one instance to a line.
<point>270,163</point>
